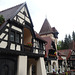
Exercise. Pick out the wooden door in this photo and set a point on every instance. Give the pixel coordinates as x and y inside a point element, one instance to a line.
<point>7,66</point>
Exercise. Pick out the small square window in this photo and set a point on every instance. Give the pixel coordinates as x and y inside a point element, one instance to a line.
<point>12,36</point>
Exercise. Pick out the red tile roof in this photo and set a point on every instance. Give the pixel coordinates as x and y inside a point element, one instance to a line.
<point>67,52</point>
<point>39,37</point>
<point>61,54</point>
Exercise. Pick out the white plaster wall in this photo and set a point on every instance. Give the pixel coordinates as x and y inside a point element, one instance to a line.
<point>6,38</point>
<point>16,28</point>
<point>22,65</point>
<point>63,57</point>
<point>3,44</point>
<point>8,25</point>
<point>41,66</point>
<point>6,30</point>
<point>12,46</point>
<point>21,15</point>
<point>18,48</point>
<point>22,9</point>
<point>2,35</point>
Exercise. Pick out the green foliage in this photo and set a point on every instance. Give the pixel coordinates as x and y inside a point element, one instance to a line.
<point>1,19</point>
<point>64,44</point>
<point>73,35</point>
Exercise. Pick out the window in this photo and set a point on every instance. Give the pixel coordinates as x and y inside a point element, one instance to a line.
<point>40,45</point>
<point>12,36</point>
<point>15,37</point>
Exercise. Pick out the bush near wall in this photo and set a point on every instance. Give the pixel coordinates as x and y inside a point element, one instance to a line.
<point>2,20</point>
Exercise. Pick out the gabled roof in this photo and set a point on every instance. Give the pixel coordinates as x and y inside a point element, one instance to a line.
<point>8,13</point>
<point>39,37</point>
<point>61,53</point>
<point>66,52</point>
<point>54,30</point>
<point>46,28</point>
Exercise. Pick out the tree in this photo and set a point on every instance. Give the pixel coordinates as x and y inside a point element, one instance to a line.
<point>1,20</point>
<point>66,43</point>
<point>73,35</point>
<point>59,45</point>
<point>69,38</point>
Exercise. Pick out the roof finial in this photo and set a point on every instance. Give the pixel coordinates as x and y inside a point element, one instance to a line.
<point>46,16</point>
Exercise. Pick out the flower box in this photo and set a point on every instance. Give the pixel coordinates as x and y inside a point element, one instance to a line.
<point>29,44</point>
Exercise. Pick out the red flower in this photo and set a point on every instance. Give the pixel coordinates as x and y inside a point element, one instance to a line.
<point>29,44</point>
<point>55,53</point>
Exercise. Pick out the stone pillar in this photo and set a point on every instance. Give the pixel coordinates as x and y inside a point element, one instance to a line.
<point>22,65</point>
<point>41,70</point>
<point>30,70</point>
<point>60,69</point>
<point>51,69</point>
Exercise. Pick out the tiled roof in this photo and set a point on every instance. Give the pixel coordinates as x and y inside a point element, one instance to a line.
<point>46,28</point>
<point>54,29</point>
<point>61,53</point>
<point>9,12</point>
<point>39,37</point>
<point>67,52</point>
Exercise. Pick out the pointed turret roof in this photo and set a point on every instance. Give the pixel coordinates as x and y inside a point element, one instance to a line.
<point>46,28</point>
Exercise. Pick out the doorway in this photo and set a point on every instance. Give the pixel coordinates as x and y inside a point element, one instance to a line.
<point>8,65</point>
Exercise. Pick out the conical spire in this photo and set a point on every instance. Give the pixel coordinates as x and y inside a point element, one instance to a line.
<point>46,28</point>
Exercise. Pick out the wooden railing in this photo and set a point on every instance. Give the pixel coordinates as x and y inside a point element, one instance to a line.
<point>28,48</point>
<point>33,50</point>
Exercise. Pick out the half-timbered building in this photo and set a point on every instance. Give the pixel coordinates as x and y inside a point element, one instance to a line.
<point>69,63</point>
<point>71,60</point>
<point>21,51</point>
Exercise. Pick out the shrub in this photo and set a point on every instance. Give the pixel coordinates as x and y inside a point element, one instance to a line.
<point>2,20</point>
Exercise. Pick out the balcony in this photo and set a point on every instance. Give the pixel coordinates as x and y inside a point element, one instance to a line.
<point>32,45</point>
<point>33,50</point>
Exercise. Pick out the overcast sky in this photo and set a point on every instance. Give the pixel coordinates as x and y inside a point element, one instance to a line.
<point>60,13</point>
